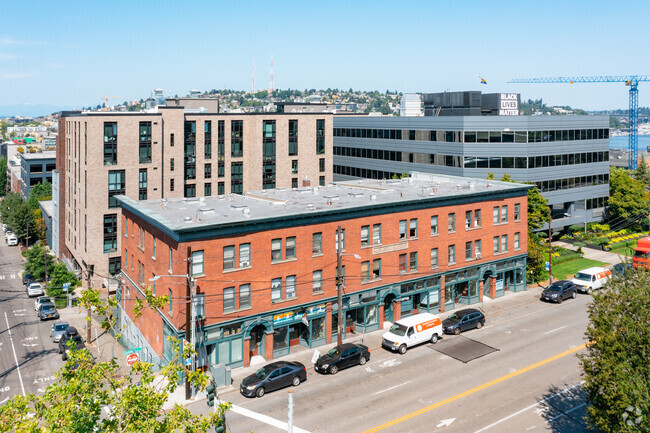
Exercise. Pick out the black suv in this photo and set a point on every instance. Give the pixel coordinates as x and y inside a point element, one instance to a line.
<point>70,335</point>
<point>559,291</point>
<point>345,355</point>
<point>462,320</point>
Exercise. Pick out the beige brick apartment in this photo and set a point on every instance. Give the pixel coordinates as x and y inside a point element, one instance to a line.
<point>173,152</point>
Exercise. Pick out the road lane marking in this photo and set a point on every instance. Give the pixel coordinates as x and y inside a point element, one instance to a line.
<point>476,389</point>
<point>539,411</point>
<point>553,330</point>
<point>567,412</point>
<point>392,387</point>
<point>265,419</point>
<point>11,338</point>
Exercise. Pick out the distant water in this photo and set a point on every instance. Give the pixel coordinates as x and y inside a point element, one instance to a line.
<point>620,142</point>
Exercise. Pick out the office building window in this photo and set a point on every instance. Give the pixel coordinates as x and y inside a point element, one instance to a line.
<point>170,260</point>
<point>468,219</point>
<point>413,228</point>
<point>321,165</point>
<point>207,189</point>
<point>171,164</point>
<point>504,243</point>
<point>293,137</point>
<point>365,271</point>
<point>276,250</point>
<point>413,261</point>
<point>376,268</point>
<point>477,249</point>
<point>321,180</point>
<point>171,185</point>
<point>294,182</point>
<point>402,262</point>
<point>153,249</point>
<point>221,140</point>
<point>221,169</point>
<point>495,245</point>
<point>318,281</point>
<point>451,223</point>
<point>276,289</point>
<point>495,215</point>
<point>469,251</point>
<point>504,214</point>
<point>190,191</point>
<point>517,245</point>
<point>116,186</point>
<point>434,258</point>
<point>376,234</point>
<point>197,263</point>
<point>145,142</point>
<point>402,229</point>
<point>142,192</point>
<point>171,140</point>
<point>207,139</point>
<point>221,188</point>
<point>244,255</point>
<point>114,265</point>
<point>294,166</point>
<point>477,218</point>
<point>236,177</point>
<point>517,212</point>
<point>244,296</point>
<point>451,252</point>
<point>320,136</point>
<point>110,143</point>
<point>110,233</point>
<point>229,257</point>
<point>207,171</point>
<point>317,243</point>
<point>291,287</point>
<point>171,303</point>
<point>228,299</point>
<point>365,235</point>
<point>290,248</point>
<point>434,225</point>
<point>237,138</point>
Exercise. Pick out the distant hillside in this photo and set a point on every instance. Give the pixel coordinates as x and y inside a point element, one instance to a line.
<point>538,107</point>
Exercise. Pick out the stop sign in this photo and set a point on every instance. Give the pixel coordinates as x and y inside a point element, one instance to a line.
<point>132,358</point>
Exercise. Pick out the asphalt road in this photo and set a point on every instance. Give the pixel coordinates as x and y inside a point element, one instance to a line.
<point>530,383</point>
<point>28,358</point>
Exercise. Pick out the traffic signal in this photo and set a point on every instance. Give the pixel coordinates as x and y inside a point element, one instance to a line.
<point>221,428</point>
<point>211,393</point>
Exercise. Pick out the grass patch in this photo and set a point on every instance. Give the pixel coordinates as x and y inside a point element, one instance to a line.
<point>622,251</point>
<point>563,270</point>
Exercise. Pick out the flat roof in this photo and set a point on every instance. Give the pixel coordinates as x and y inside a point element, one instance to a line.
<point>47,206</point>
<point>48,154</point>
<point>337,201</point>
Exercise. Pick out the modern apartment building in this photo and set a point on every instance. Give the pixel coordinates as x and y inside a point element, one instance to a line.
<point>173,152</point>
<point>35,168</point>
<point>263,265</point>
<point>567,157</point>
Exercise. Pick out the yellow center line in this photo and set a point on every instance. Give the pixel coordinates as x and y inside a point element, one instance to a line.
<point>476,389</point>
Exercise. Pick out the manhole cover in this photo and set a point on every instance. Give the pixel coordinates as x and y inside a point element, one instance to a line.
<point>462,348</point>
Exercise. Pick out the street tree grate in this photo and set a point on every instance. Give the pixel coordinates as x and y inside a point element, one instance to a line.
<point>462,348</point>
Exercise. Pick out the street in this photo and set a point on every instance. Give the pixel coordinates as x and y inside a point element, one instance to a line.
<point>28,358</point>
<point>527,380</point>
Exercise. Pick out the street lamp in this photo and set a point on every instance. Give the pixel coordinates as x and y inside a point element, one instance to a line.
<point>189,312</point>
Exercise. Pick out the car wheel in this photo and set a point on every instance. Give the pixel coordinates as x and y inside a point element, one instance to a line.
<point>434,338</point>
<point>479,325</point>
<point>559,300</point>
<point>260,392</point>
<point>573,295</point>
<point>334,369</point>
<point>402,349</point>
<point>362,360</point>
<point>457,331</point>
<point>295,381</point>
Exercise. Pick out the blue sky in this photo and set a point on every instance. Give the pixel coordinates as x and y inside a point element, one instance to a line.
<point>69,54</point>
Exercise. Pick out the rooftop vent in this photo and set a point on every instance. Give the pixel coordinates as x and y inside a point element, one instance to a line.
<point>187,219</point>
<point>373,197</point>
<point>311,206</point>
<point>355,194</point>
<point>238,206</point>
<point>246,211</point>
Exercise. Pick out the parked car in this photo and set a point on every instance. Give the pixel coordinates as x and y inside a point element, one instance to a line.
<point>343,356</point>
<point>57,329</point>
<point>462,320</point>
<point>35,289</point>
<point>5,227</point>
<point>12,240</point>
<point>591,279</point>
<point>559,291</point>
<point>273,376</point>
<point>621,268</point>
<point>28,278</point>
<point>411,331</point>
<point>40,301</point>
<point>48,311</point>
<point>70,335</point>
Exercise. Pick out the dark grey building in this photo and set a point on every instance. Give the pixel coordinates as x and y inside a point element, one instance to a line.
<point>566,156</point>
<point>35,168</point>
<point>471,103</point>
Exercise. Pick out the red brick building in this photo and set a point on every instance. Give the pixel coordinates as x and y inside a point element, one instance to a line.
<point>263,261</point>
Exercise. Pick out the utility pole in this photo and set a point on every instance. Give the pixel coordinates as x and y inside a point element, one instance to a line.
<point>188,317</point>
<point>339,288</point>
<point>550,253</point>
<point>89,319</point>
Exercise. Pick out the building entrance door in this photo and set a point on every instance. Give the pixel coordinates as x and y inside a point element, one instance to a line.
<point>256,346</point>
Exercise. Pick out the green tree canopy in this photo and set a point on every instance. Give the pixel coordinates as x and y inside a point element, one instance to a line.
<point>58,276</point>
<point>17,214</point>
<point>628,198</point>
<point>642,173</point>
<point>3,175</point>
<point>40,191</point>
<point>615,367</point>
<point>37,258</point>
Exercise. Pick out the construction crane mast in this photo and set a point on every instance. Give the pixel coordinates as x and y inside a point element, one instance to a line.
<point>633,112</point>
<point>106,99</point>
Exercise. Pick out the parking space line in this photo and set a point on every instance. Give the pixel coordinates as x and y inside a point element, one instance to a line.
<point>553,330</point>
<point>567,412</point>
<point>11,338</point>
<point>265,419</point>
<point>392,387</point>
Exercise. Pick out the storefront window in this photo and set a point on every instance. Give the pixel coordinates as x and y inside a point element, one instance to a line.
<point>280,338</point>
<point>371,315</point>
<point>473,288</point>
<point>318,328</point>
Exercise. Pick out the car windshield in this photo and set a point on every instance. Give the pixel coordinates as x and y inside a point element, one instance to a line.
<point>262,372</point>
<point>44,300</point>
<point>453,317</point>
<point>555,288</point>
<point>60,327</point>
<point>398,329</point>
<point>334,352</point>
<point>47,307</point>
<point>582,277</point>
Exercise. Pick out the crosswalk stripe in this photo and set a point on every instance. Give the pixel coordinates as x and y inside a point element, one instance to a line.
<point>13,275</point>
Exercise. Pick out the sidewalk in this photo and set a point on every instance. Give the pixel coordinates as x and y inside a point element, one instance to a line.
<point>590,253</point>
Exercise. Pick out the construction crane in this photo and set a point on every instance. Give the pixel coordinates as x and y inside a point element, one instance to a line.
<point>106,98</point>
<point>633,112</point>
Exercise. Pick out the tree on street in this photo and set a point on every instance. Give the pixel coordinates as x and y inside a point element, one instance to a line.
<point>628,198</point>
<point>615,367</point>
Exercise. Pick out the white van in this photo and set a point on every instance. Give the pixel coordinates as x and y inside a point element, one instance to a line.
<point>12,240</point>
<point>591,279</point>
<point>413,330</point>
